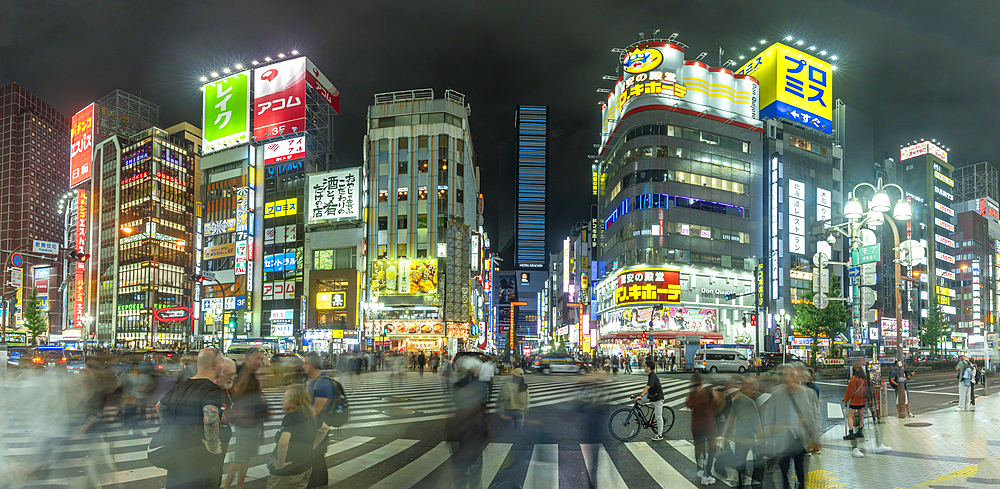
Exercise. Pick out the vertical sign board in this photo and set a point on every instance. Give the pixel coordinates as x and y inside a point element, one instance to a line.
<point>793,85</point>
<point>81,245</point>
<point>82,146</point>
<point>334,195</point>
<point>279,99</point>
<point>226,113</point>
<point>42,276</point>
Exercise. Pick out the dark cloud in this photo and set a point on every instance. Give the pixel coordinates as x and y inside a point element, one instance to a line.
<point>919,68</point>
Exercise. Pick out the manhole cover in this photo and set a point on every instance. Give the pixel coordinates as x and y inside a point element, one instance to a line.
<point>917,425</point>
<point>397,412</point>
<point>395,399</point>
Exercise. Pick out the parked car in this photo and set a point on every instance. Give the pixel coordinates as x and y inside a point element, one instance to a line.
<point>16,355</point>
<point>720,360</point>
<point>165,363</point>
<point>772,360</point>
<point>76,361</point>
<point>557,362</point>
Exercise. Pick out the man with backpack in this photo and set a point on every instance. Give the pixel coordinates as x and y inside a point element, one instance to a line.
<point>899,378</point>
<point>326,394</point>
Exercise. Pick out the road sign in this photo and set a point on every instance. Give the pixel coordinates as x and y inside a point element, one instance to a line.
<point>777,333</point>
<point>821,260</point>
<point>854,273</point>
<point>910,253</point>
<point>871,316</point>
<point>867,297</point>
<point>868,273</point>
<point>44,247</point>
<point>821,301</point>
<point>17,277</point>
<point>16,260</point>
<point>869,254</point>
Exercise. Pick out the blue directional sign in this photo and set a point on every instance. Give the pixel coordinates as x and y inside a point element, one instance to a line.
<point>854,273</point>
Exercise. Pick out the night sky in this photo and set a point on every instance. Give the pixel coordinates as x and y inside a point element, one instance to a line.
<point>920,69</point>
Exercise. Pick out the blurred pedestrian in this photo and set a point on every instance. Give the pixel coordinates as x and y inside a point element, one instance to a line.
<point>486,372</point>
<point>673,361</point>
<point>791,421</point>
<point>855,397</point>
<point>323,391</point>
<point>295,442</point>
<point>227,374</point>
<point>247,416</point>
<point>468,426</point>
<point>742,429</point>
<point>195,407</point>
<point>701,402</point>
<point>976,372</point>
<point>421,361</point>
<point>435,361</point>
<point>614,364</point>
<point>515,398</point>
<point>964,390</point>
<point>137,385</point>
<point>899,378</point>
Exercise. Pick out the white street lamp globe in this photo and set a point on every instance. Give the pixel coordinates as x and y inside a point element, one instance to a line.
<point>880,202</point>
<point>853,209</point>
<point>902,211</point>
<point>875,218</point>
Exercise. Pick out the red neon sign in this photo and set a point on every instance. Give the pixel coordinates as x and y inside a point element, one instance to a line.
<point>134,178</point>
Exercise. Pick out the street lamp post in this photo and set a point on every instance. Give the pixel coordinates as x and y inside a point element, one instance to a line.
<point>857,218</point>
<point>783,320</point>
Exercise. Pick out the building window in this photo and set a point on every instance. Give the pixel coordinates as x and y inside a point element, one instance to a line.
<point>460,169</point>
<point>459,196</point>
<point>401,251</point>
<point>383,195</point>
<point>402,193</point>
<point>401,222</point>
<point>383,223</point>
<point>422,193</point>
<point>442,201</point>
<point>403,167</point>
<point>421,221</point>
<point>337,258</point>
<point>421,252</point>
<point>422,166</point>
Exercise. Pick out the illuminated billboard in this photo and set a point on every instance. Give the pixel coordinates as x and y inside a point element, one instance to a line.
<point>656,75</point>
<point>285,150</point>
<point>793,85</point>
<point>226,113</point>
<point>648,285</point>
<point>279,99</point>
<point>922,148</point>
<point>405,277</point>
<point>81,246</point>
<point>334,195</point>
<point>82,146</point>
<point>278,208</point>
<point>317,80</point>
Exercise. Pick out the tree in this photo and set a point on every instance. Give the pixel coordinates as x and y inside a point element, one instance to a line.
<point>34,321</point>
<point>812,322</point>
<point>934,327</point>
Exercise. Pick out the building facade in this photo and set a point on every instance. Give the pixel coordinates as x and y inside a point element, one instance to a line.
<point>678,219</point>
<point>532,159</point>
<point>34,150</point>
<point>424,208</point>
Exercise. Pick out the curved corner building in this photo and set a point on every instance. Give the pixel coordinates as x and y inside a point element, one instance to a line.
<point>679,203</point>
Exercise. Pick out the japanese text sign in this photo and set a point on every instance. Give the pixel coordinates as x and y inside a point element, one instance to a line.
<point>793,85</point>
<point>279,99</point>
<point>226,113</point>
<point>648,285</point>
<point>285,150</point>
<point>82,149</point>
<point>334,195</point>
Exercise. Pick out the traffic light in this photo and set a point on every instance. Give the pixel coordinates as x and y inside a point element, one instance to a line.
<point>76,256</point>
<point>198,278</point>
<point>386,330</point>
<point>232,324</point>
<point>753,320</point>
<point>744,321</point>
<point>730,296</point>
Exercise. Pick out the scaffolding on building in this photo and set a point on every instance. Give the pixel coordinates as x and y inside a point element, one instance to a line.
<point>976,181</point>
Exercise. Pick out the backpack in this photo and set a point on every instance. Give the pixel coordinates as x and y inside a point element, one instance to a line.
<point>340,412</point>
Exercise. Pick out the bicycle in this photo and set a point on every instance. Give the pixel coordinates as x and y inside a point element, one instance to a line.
<point>626,423</point>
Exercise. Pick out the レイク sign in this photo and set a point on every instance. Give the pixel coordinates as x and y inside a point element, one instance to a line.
<point>226,112</point>
<point>648,285</point>
<point>82,149</point>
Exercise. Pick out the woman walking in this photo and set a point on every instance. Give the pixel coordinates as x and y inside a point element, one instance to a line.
<point>857,390</point>
<point>742,428</point>
<point>296,441</point>
<point>701,402</point>
<point>515,398</point>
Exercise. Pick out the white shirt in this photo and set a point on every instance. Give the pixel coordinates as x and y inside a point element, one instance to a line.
<point>486,371</point>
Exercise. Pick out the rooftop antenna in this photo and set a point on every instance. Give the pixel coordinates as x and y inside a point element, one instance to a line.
<point>655,32</point>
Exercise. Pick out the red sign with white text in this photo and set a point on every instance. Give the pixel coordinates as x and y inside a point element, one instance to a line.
<point>81,245</point>
<point>82,146</point>
<point>289,149</point>
<point>279,99</point>
<point>323,87</point>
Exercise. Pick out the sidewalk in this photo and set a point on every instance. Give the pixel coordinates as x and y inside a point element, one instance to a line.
<point>940,449</point>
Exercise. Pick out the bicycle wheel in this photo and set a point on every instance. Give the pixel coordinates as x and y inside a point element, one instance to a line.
<point>624,424</point>
<point>668,418</point>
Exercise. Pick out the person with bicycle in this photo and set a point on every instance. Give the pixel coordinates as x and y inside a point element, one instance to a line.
<point>654,396</point>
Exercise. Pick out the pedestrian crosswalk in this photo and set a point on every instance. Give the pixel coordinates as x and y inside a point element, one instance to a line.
<point>362,456</point>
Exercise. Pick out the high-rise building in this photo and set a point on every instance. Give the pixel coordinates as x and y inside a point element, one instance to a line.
<point>532,159</point>
<point>423,208</point>
<point>34,148</point>
<point>145,255</point>
<point>977,230</point>
<point>677,215</point>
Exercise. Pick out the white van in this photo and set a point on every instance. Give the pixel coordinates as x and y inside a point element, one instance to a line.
<point>720,360</point>
<point>238,352</point>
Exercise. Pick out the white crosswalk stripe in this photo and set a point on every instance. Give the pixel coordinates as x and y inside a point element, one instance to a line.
<point>403,462</point>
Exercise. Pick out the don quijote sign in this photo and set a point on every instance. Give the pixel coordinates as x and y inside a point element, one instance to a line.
<point>173,314</point>
<point>717,291</point>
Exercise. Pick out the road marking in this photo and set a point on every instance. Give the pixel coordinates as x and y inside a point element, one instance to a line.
<point>834,411</point>
<point>604,474</point>
<point>416,470</point>
<point>543,470</point>
<point>366,461</point>
<point>261,472</point>
<point>685,448</point>
<point>661,471</point>
<point>493,457</point>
